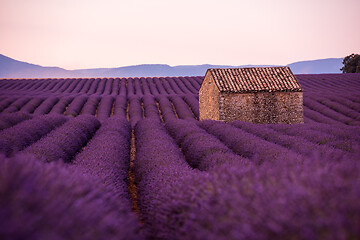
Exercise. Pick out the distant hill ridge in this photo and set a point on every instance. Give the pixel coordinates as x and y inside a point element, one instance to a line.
<point>11,68</point>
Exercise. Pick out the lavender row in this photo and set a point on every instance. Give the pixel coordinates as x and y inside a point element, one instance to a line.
<point>163,85</point>
<point>64,142</point>
<point>159,165</point>
<point>107,156</point>
<point>75,106</point>
<point>120,106</point>
<point>185,88</point>
<point>133,87</point>
<point>44,86</point>
<point>150,107</point>
<point>243,201</point>
<point>10,119</point>
<point>193,104</point>
<point>72,85</point>
<point>345,139</point>
<point>130,88</point>
<point>93,86</point>
<point>314,116</point>
<point>298,143</point>
<point>173,85</point>
<point>275,200</point>
<point>353,97</point>
<point>6,102</point>
<point>166,85</point>
<point>29,86</point>
<point>57,86</point>
<point>154,90</point>
<point>107,86</point>
<point>105,108</point>
<point>135,110</point>
<point>66,84</point>
<point>201,149</point>
<point>245,144</point>
<point>146,87</point>
<point>159,86</point>
<point>190,85</point>
<point>346,101</point>
<point>30,106</point>
<point>86,86</point>
<point>79,85</point>
<point>71,106</point>
<point>101,87</point>
<point>52,201</point>
<point>343,110</point>
<point>25,133</point>
<point>314,105</point>
<point>116,87</point>
<point>91,105</point>
<point>50,86</point>
<point>46,106</point>
<point>167,110</point>
<point>16,105</point>
<point>122,90</point>
<point>182,109</point>
<point>61,106</point>
<point>89,86</point>
<point>342,132</point>
<point>334,83</point>
<point>138,87</point>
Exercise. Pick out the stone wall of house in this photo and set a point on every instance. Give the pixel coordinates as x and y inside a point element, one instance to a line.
<point>209,99</point>
<point>262,107</point>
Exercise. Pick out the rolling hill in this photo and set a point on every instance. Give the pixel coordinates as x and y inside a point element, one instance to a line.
<point>11,68</point>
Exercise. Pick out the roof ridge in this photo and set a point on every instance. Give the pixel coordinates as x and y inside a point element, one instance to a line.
<point>255,79</point>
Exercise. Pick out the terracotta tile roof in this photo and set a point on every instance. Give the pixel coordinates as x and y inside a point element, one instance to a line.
<point>257,79</point>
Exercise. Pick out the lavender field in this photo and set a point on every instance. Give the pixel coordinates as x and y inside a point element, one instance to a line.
<point>127,158</point>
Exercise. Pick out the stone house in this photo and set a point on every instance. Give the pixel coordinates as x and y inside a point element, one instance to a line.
<point>258,95</point>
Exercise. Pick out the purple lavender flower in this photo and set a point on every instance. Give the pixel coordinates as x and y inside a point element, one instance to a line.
<point>105,108</point>
<point>52,201</point>
<point>65,141</point>
<point>107,157</point>
<point>46,106</point>
<point>10,119</point>
<point>21,135</point>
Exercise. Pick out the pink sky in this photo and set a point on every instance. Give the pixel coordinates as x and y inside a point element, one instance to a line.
<point>77,34</point>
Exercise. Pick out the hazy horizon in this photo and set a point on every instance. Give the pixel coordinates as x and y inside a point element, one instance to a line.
<point>83,34</point>
<point>310,60</point>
